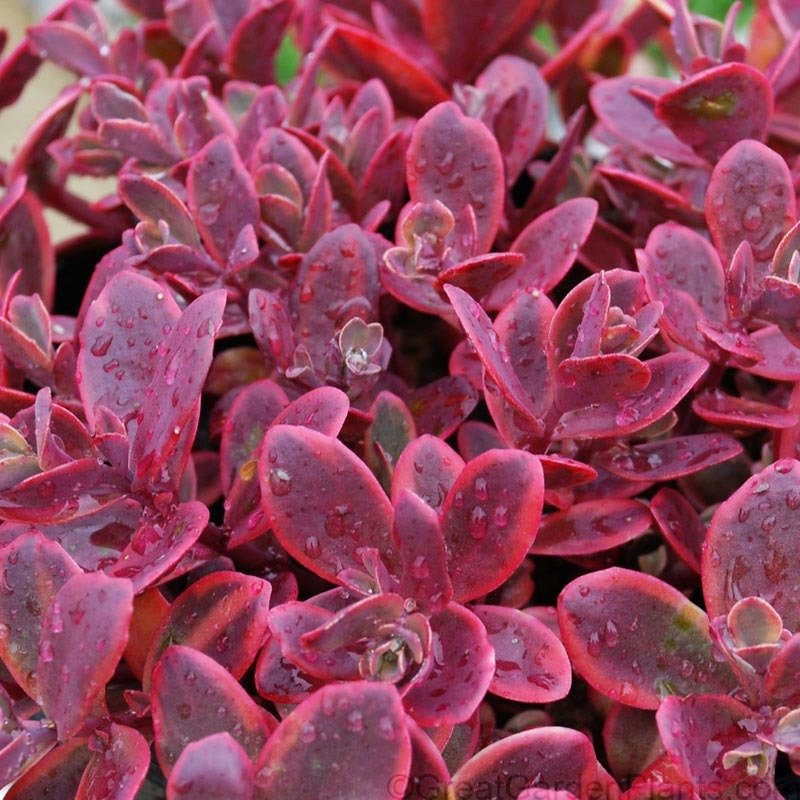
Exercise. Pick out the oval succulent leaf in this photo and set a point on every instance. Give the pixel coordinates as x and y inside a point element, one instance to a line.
<point>212,768</point>
<point>750,197</point>
<point>456,160</point>
<point>117,357</point>
<point>358,727</point>
<point>636,639</point>
<point>33,570</point>
<point>84,634</point>
<point>547,758</point>
<point>531,665</point>
<point>591,527</point>
<point>193,697</point>
<point>489,519</point>
<point>751,549</point>
<point>461,672</point>
<point>121,767</point>
<point>223,615</point>
<point>322,501</point>
<point>718,107</point>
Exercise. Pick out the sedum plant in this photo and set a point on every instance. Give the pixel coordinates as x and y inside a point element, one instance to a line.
<point>421,424</point>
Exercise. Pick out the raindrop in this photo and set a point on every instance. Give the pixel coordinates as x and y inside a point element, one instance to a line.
<point>101,346</point>
<point>308,733</point>
<point>477,523</point>
<point>280,482</point>
<point>753,218</point>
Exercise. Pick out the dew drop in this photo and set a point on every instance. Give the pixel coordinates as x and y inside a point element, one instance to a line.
<point>280,482</point>
<point>753,218</point>
<point>478,523</point>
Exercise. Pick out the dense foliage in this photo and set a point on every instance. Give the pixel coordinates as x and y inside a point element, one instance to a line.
<point>424,425</point>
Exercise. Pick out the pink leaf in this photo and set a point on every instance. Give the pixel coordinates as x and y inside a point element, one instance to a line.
<point>466,35</point>
<point>633,122</point>
<point>361,54</point>
<point>158,544</point>
<point>441,406</point>
<point>720,725</point>
<point>740,413</point>
<point>672,377</point>
<point>547,758</point>
<point>615,376</point>
<point>322,516</point>
<point>193,697</point>
<point>591,527</point>
<point>172,399</point>
<point>428,467</point>
<point>422,548</point>
<point>615,624</point>
<point>666,459</point>
<point>122,765</point>
<point>221,196</point>
<point>84,633</point>
<point>717,108</point>
<point>531,665</point>
<point>489,519</point>
<point>455,159</point>
<point>550,245</point>
<point>212,768</point>
<point>33,570</point>
<point>359,727</point>
<point>493,356</point>
<point>750,198</point>
<point>461,673</point>
<point>223,615</point>
<point>751,549</point>
<point>680,524</point>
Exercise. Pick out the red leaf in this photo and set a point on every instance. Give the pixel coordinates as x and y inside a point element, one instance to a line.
<point>740,413</point>
<point>194,697</point>
<point>213,768</point>
<point>33,570</point>
<point>666,459</point>
<point>223,615</point>
<point>172,399</point>
<point>455,159</point>
<point>83,637</point>
<point>550,245</point>
<point>615,623</point>
<point>547,758</point>
<point>422,548</point>
<point>461,673</point>
<point>672,377</point>
<point>489,519</point>
<point>363,55</point>
<point>613,375</point>
<point>322,515</point>
<point>718,107</point>
<point>680,524</point>
<point>591,527</point>
<point>221,196</point>
<point>633,122</point>
<point>751,547</point>
<point>428,467</point>
<point>493,356</point>
<point>750,197</point>
<point>467,34</point>
<point>359,727</point>
<point>531,665</point>
<point>158,544</point>
<point>56,775</point>
<point>719,725</point>
<point>122,765</point>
